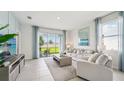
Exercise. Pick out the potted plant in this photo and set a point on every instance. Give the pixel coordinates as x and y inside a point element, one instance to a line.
<point>4,39</point>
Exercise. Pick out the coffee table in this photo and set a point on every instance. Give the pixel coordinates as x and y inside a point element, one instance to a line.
<point>63,60</point>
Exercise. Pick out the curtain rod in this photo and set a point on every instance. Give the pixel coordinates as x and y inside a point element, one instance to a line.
<point>50,28</point>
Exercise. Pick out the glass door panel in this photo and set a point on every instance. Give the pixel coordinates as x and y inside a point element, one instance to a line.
<point>51,43</point>
<point>43,44</point>
<point>58,44</point>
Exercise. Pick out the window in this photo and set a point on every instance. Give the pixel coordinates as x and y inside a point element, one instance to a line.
<point>49,44</point>
<point>110,34</point>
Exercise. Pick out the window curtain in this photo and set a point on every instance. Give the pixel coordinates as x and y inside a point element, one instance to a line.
<point>122,42</point>
<point>98,24</point>
<point>64,41</point>
<point>35,41</point>
<point>97,32</point>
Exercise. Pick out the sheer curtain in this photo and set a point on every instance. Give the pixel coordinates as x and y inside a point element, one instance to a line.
<point>109,37</point>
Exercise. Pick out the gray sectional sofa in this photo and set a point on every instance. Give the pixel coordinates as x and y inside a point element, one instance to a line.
<point>91,65</point>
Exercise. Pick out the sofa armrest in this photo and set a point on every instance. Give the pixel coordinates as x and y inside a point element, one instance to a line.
<point>91,71</point>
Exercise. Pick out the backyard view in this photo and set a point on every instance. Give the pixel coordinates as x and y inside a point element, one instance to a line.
<point>49,44</point>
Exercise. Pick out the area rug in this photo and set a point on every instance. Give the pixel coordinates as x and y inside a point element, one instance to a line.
<point>64,73</point>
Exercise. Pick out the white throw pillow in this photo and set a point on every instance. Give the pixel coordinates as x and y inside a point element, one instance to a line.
<point>81,51</point>
<point>102,59</point>
<point>109,63</point>
<point>74,51</point>
<point>78,52</point>
<point>93,57</point>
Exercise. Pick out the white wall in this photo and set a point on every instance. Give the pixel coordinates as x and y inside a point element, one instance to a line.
<point>26,41</point>
<point>72,37</point>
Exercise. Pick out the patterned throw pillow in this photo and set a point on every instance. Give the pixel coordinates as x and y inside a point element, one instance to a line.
<point>109,63</point>
<point>102,59</point>
<point>78,52</point>
<point>81,51</point>
<point>74,51</point>
<point>93,57</point>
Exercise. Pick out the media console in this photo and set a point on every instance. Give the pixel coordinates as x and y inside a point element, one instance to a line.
<point>10,72</point>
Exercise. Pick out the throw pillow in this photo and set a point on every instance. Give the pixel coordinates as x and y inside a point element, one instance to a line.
<point>93,57</point>
<point>74,51</point>
<point>81,51</point>
<point>78,52</point>
<point>109,63</point>
<point>102,59</point>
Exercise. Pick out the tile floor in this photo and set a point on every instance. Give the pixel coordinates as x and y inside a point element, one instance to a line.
<point>118,75</point>
<point>37,70</point>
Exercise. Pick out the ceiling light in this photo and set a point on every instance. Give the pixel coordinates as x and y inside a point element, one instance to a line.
<point>29,17</point>
<point>58,18</point>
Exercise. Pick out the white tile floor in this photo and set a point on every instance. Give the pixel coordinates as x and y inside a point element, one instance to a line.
<point>37,70</point>
<point>118,75</point>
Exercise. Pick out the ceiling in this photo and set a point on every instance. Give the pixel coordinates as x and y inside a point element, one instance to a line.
<point>64,20</point>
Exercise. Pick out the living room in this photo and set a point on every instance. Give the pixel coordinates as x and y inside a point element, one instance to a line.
<point>62,45</point>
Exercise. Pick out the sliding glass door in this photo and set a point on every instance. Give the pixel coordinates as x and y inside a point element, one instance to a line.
<point>58,44</point>
<point>43,44</point>
<point>49,44</point>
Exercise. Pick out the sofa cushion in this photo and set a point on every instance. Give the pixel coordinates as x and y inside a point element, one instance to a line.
<point>74,51</point>
<point>69,50</point>
<point>88,51</point>
<point>81,51</point>
<point>78,51</point>
<point>93,57</point>
<point>73,55</point>
<point>102,59</point>
<point>82,57</point>
<point>79,60</point>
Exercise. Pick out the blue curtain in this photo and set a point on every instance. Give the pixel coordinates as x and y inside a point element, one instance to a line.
<point>122,45</point>
<point>97,31</point>
<point>121,38</point>
<point>64,42</point>
<point>35,41</point>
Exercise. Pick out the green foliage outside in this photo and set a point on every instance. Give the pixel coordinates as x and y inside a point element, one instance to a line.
<point>41,41</point>
<point>52,50</point>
